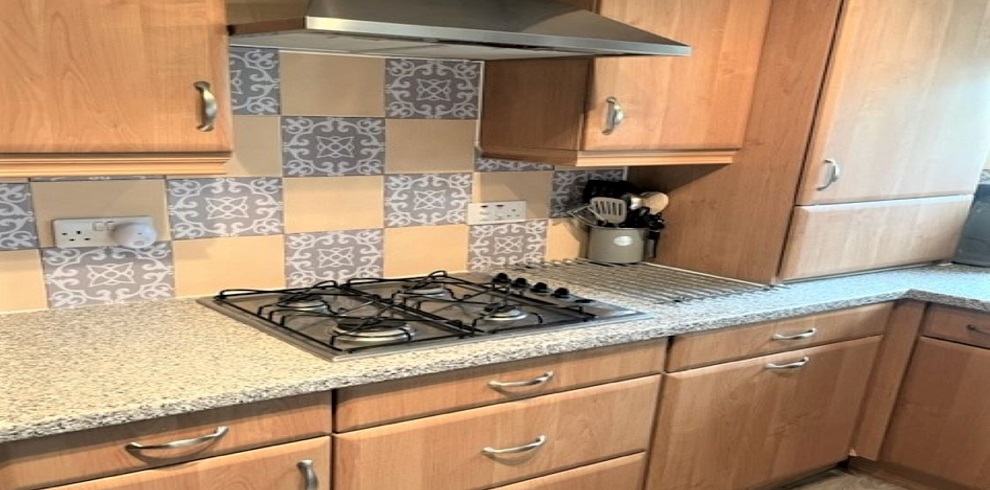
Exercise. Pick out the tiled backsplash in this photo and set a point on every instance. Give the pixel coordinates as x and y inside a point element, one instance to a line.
<point>345,166</point>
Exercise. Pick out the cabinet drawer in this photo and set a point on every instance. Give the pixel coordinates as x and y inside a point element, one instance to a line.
<point>452,451</point>
<point>958,325</point>
<point>262,469</point>
<point>77,456</point>
<point>366,406</point>
<point>624,473</point>
<point>706,348</point>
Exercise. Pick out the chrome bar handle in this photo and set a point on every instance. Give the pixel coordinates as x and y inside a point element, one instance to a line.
<point>834,173</point>
<point>539,442</point>
<point>309,474</point>
<point>791,365</point>
<point>613,116</point>
<point>977,329</point>
<point>220,432</point>
<point>210,107</point>
<point>798,336</point>
<point>539,380</point>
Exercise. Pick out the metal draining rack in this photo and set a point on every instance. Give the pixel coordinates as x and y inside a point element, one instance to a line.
<point>643,281</point>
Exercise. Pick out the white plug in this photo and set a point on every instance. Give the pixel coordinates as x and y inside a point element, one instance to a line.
<point>134,235</point>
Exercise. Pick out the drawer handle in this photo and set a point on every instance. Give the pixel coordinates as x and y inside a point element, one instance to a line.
<point>834,173</point>
<point>220,432</point>
<point>798,336</point>
<point>613,116</point>
<point>791,365</point>
<point>210,107</point>
<point>977,329</point>
<point>306,467</point>
<point>539,442</point>
<point>539,380</point>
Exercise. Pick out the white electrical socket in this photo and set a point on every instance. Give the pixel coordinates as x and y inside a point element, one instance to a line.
<point>485,213</point>
<point>92,232</point>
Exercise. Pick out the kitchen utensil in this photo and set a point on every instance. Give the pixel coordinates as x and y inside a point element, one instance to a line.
<point>584,214</point>
<point>611,210</point>
<point>657,201</point>
<point>617,245</point>
<point>654,223</point>
<point>636,218</point>
<point>607,188</point>
<point>634,201</point>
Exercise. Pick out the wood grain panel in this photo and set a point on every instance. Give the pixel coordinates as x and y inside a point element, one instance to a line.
<point>445,452</point>
<point>61,165</point>
<point>623,158</point>
<point>693,350</point>
<point>624,473</point>
<point>958,325</point>
<point>75,456</point>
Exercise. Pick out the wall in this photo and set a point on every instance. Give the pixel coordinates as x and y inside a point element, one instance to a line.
<point>344,166</point>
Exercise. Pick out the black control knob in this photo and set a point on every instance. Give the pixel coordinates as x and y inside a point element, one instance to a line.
<point>501,278</point>
<point>520,283</point>
<point>562,293</point>
<point>541,288</point>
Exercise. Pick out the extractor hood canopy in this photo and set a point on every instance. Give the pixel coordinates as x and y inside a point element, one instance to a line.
<point>461,29</point>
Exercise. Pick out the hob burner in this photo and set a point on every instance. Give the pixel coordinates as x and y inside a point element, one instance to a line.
<point>373,330</point>
<point>303,302</point>
<point>504,313</point>
<point>428,290</point>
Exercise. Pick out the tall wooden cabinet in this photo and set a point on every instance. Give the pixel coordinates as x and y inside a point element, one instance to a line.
<point>634,111</point>
<point>106,87</point>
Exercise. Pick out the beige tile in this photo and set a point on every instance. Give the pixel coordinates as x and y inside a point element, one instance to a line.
<point>330,85</point>
<point>333,203</point>
<point>566,240</point>
<point>424,249</point>
<point>532,187</point>
<point>427,145</point>
<point>22,282</point>
<point>206,266</point>
<point>53,200</point>
<point>257,147</point>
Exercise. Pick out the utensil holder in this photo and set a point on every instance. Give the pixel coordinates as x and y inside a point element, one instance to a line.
<point>617,245</point>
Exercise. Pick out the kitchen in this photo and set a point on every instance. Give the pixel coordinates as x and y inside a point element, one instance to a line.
<point>804,327</point>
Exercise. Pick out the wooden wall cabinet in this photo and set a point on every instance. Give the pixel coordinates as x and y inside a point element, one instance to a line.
<point>690,110</point>
<point>109,87</point>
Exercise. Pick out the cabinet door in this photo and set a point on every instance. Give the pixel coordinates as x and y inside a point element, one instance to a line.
<point>277,467</point>
<point>751,423</point>
<point>677,103</point>
<point>941,425</point>
<point>111,76</point>
<point>905,112</point>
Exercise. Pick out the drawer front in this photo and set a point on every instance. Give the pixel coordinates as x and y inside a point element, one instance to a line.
<point>367,406</point>
<point>284,467</point>
<point>536,436</point>
<point>624,473</point>
<point>694,350</point>
<point>958,325</point>
<point>96,453</point>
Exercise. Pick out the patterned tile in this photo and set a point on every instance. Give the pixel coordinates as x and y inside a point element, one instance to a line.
<point>569,184</point>
<point>97,178</point>
<point>17,222</point>
<point>426,199</point>
<point>332,146</point>
<point>497,245</point>
<point>336,255</point>
<point>254,82</point>
<point>501,165</point>
<point>103,275</point>
<point>206,208</point>
<point>432,89</point>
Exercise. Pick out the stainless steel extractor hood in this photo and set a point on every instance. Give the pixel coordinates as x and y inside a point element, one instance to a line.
<point>462,29</point>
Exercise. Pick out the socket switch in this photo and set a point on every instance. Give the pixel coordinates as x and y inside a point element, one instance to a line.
<point>486,213</point>
<point>93,232</point>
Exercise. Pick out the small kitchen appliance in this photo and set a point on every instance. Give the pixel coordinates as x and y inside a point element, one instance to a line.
<point>974,247</point>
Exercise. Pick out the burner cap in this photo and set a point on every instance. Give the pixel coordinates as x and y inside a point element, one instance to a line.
<point>424,289</point>
<point>303,302</point>
<point>374,330</point>
<point>499,312</point>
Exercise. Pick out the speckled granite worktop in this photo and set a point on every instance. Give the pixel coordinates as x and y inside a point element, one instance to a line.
<point>68,370</point>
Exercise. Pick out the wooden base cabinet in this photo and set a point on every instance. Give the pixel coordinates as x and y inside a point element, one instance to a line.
<point>755,422</point>
<point>624,473</point>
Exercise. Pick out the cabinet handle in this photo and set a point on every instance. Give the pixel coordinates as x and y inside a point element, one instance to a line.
<point>539,442</point>
<point>309,474</point>
<point>834,172</point>
<point>539,380</point>
<point>613,116</point>
<point>210,109</point>
<point>977,329</point>
<point>220,432</point>
<point>798,336</point>
<point>791,365</point>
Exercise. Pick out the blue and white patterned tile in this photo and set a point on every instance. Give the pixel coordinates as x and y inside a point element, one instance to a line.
<point>18,227</point>
<point>107,275</point>
<point>427,199</point>
<point>335,255</point>
<point>505,244</point>
<point>97,178</point>
<point>254,81</point>
<point>502,165</point>
<point>432,89</point>
<point>224,207</point>
<point>568,186</point>
<point>332,146</point>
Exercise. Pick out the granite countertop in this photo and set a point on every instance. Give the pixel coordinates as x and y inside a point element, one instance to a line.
<point>68,370</point>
